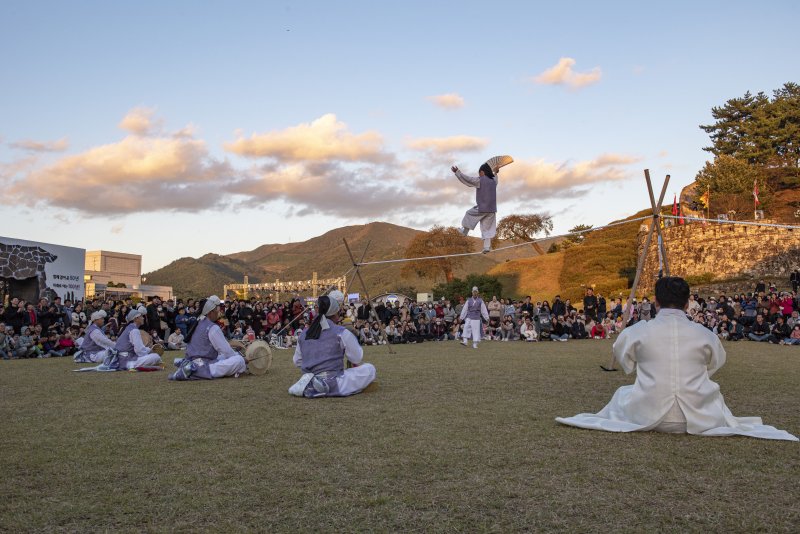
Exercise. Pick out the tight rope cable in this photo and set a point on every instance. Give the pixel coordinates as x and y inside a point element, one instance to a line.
<point>725,221</point>
<point>610,225</point>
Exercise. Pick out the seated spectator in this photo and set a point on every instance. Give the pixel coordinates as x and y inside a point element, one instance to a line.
<point>794,337</point>
<point>438,330</point>
<point>578,328</point>
<point>723,328</point>
<point>175,340</point>
<point>559,330</point>
<point>598,331</point>
<point>508,330</point>
<point>51,348</point>
<point>393,332</point>
<point>760,330</point>
<point>780,331</point>
<point>527,330</point>
<point>736,331</point>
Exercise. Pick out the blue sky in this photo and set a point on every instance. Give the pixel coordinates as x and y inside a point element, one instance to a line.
<point>175,129</point>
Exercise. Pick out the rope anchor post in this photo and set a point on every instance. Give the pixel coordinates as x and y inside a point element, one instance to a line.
<point>655,227</point>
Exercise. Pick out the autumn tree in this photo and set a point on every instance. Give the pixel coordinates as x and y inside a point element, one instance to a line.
<point>438,241</point>
<point>761,131</point>
<point>523,228</point>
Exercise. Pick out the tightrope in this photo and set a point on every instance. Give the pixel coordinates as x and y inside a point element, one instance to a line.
<point>548,238</point>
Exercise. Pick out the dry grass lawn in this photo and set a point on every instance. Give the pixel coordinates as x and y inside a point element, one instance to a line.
<point>452,440</point>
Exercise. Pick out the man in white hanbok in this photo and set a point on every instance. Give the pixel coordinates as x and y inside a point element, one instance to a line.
<point>471,314</point>
<point>321,349</point>
<point>674,359</point>
<point>208,353</point>
<point>95,345</point>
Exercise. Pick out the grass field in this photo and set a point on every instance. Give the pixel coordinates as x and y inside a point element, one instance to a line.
<point>452,440</point>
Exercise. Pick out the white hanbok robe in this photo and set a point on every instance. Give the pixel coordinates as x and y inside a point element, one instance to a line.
<point>674,360</point>
<point>353,380</point>
<point>144,356</point>
<point>228,361</point>
<point>473,327</point>
<point>101,340</point>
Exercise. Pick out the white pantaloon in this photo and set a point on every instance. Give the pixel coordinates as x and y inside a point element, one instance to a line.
<point>355,379</point>
<point>229,366</point>
<point>148,360</point>
<point>488,222</point>
<point>472,328</point>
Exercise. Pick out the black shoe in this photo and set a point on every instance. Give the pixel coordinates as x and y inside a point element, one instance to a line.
<point>604,368</point>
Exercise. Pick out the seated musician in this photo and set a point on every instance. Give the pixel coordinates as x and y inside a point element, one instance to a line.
<point>129,351</point>
<point>95,346</point>
<point>320,353</point>
<point>208,353</point>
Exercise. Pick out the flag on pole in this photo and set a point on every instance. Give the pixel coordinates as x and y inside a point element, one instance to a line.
<point>680,213</point>
<point>675,204</point>
<point>704,198</point>
<point>755,192</point>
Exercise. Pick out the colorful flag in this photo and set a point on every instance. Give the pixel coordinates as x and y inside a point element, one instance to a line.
<point>704,198</point>
<point>675,204</point>
<point>680,213</point>
<point>755,192</point>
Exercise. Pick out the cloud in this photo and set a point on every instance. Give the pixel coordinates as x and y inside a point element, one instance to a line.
<point>538,179</point>
<point>117,228</point>
<point>30,145</point>
<point>562,74</point>
<point>134,175</point>
<point>447,101</point>
<point>447,145</point>
<point>141,121</point>
<point>325,139</point>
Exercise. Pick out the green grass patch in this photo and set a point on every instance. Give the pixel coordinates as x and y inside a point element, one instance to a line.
<point>453,439</point>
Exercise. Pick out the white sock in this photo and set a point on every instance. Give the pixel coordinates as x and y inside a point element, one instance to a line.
<point>487,243</point>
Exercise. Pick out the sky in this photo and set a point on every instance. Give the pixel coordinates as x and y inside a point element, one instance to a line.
<point>173,129</point>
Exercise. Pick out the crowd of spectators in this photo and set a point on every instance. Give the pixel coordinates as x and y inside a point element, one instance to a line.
<point>46,329</point>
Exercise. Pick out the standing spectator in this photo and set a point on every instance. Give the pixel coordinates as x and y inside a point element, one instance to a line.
<point>601,306</point>
<point>794,279</point>
<point>590,304</point>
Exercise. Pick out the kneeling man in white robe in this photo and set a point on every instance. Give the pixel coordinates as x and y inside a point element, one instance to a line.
<point>208,353</point>
<point>95,345</point>
<point>320,353</point>
<point>129,351</point>
<point>674,359</point>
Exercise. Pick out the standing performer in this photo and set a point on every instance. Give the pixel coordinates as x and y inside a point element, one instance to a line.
<point>320,353</point>
<point>674,359</point>
<point>129,351</point>
<point>471,315</point>
<point>95,346</point>
<point>208,353</point>
<point>485,210</point>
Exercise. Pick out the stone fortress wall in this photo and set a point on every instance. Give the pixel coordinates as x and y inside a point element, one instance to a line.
<point>724,251</point>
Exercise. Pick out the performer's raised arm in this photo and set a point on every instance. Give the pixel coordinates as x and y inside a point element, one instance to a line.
<point>469,181</point>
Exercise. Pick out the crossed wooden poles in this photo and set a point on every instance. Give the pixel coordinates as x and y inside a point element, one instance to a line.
<point>357,265</point>
<point>655,227</point>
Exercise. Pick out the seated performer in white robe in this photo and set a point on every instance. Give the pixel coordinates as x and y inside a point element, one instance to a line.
<point>674,359</point>
<point>320,353</point>
<point>208,353</point>
<point>472,312</point>
<point>129,351</point>
<point>95,345</point>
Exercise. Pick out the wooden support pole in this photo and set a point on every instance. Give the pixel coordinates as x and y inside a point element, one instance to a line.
<point>366,292</point>
<point>654,226</point>
<point>657,215</point>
